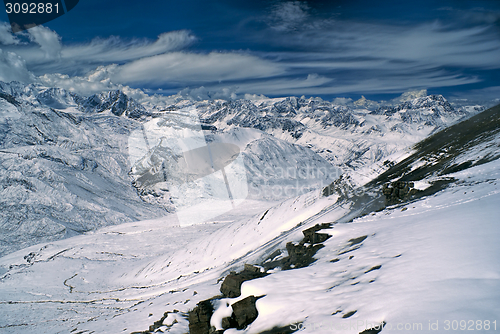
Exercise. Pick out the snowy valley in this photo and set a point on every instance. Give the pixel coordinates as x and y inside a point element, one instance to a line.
<point>323,217</point>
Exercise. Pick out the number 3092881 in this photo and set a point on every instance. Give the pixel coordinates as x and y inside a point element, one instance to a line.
<point>32,8</point>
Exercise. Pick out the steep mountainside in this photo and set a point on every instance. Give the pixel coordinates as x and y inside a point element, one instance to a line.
<point>61,173</point>
<point>349,138</point>
<point>364,260</point>
<point>68,162</point>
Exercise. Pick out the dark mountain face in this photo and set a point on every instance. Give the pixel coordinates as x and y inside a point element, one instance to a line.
<point>114,101</point>
<point>447,151</point>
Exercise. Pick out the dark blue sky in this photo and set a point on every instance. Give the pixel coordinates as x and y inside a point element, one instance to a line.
<point>275,48</point>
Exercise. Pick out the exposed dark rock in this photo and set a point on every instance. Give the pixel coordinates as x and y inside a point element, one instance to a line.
<point>373,268</point>
<point>228,322</point>
<point>115,101</point>
<point>352,245</point>
<point>389,163</point>
<point>349,314</point>
<point>215,331</point>
<point>343,186</point>
<point>9,98</point>
<point>310,235</point>
<point>357,240</point>
<point>244,312</point>
<point>300,256</point>
<point>157,324</point>
<point>398,192</point>
<point>199,317</point>
<point>30,258</point>
<point>374,330</point>
<point>231,287</point>
<point>208,127</point>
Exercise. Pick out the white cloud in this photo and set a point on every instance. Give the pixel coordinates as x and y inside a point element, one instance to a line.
<point>13,68</point>
<point>181,67</point>
<point>113,49</point>
<point>48,40</point>
<point>6,36</point>
<point>354,44</point>
<point>481,95</point>
<point>288,15</point>
<point>352,57</point>
<point>319,85</point>
<point>45,52</point>
<point>94,82</point>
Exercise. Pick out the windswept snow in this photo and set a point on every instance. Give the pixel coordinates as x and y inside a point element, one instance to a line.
<point>427,262</point>
<point>74,165</point>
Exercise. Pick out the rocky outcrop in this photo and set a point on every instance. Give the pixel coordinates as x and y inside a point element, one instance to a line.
<point>374,330</point>
<point>398,192</point>
<point>115,102</point>
<point>244,313</point>
<point>199,317</point>
<point>342,186</point>
<point>231,286</point>
<point>302,254</point>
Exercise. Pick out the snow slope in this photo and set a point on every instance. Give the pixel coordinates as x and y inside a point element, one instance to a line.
<point>62,174</point>
<point>65,162</point>
<point>416,266</point>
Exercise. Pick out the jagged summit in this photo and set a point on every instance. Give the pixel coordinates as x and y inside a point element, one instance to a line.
<point>66,167</point>
<point>115,102</point>
<point>344,260</point>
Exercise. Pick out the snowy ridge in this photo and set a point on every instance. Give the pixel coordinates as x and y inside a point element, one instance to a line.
<point>64,155</point>
<point>61,173</point>
<point>349,137</point>
<point>412,264</point>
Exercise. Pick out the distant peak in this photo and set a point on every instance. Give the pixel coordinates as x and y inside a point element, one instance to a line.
<point>411,95</point>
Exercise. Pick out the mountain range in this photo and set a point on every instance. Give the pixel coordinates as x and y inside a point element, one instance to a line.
<point>68,160</point>
<point>377,218</point>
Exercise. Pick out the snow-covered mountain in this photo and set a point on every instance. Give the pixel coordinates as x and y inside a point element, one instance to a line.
<point>352,139</point>
<point>69,162</point>
<point>61,173</point>
<point>414,249</point>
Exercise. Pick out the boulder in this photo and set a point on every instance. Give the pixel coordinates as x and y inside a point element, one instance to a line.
<point>199,318</point>
<point>231,286</point>
<point>244,312</point>
<point>398,192</point>
<point>311,236</point>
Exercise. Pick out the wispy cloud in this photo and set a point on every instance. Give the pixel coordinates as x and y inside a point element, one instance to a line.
<point>44,52</point>
<point>6,36</point>
<point>188,68</point>
<point>432,44</point>
<point>302,54</point>
<point>288,15</point>
<point>314,85</point>
<point>114,49</point>
<point>48,41</point>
